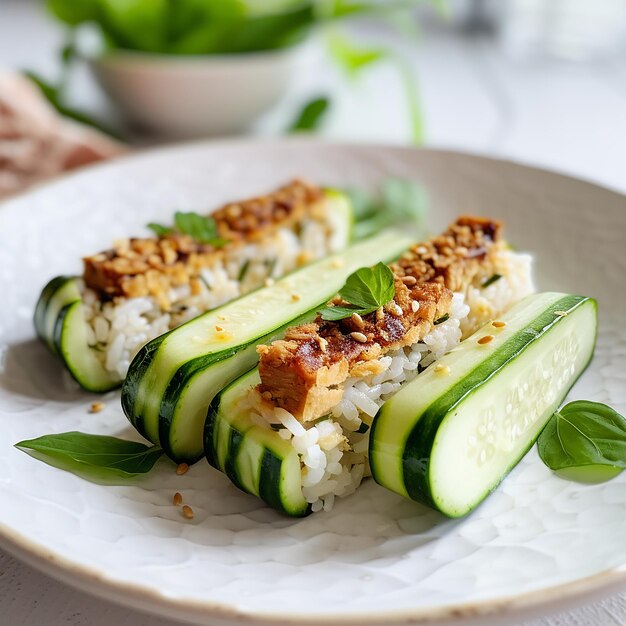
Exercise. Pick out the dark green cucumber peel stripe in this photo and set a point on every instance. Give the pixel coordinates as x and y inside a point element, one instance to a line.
<point>183,376</point>
<point>209,430</point>
<point>416,453</point>
<point>57,333</point>
<point>44,300</point>
<point>235,440</point>
<point>270,484</point>
<point>136,372</point>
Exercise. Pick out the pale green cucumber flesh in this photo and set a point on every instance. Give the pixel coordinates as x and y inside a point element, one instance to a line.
<point>60,323</point>
<point>448,441</point>
<point>80,360</point>
<point>255,458</point>
<point>170,384</point>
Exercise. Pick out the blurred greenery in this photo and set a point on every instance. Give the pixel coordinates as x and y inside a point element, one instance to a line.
<point>211,26</point>
<point>194,27</point>
<point>311,115</point>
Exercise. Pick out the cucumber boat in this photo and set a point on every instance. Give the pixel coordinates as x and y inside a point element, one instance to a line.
<point>448,438</point>
<point>173,379</point>
<point>143,287</point>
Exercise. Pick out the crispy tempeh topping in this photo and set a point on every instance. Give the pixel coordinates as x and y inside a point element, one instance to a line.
<point>151,266</point>
<point>303,373</point>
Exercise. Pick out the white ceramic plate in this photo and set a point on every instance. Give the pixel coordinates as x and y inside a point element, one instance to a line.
<point>376,558</point>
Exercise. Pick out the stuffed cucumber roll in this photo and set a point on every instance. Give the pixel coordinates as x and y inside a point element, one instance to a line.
<point>294,431</point>
<point>144,287</point>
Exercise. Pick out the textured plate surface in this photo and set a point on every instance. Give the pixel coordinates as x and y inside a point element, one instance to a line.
<point>375,558</point>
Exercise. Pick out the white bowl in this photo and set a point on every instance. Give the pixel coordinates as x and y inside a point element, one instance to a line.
<point>190,96</point>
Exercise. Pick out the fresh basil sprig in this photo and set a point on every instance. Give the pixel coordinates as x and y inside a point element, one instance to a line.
<point>93,454</point>
<point>365,290</point>
<point>584,435</point>
<point>200,228</point>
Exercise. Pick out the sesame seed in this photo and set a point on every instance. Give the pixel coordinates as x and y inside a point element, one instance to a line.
<point>183,468</point>
<point>442,369</point>
<point>295,297</point>
<point>218,328</point>
<point>187,511</point>
<point>421,250</point>
<point>397,310</point>
<point>337,263</point>
<point>322,343</point>
<point>357,320</point>
<point>561,313</point>
<point>415,306</point>
<point>269,282</point>
<point>96,407</point>
<point>177,500</point>
<point>360,337</point>
<point>498,324</point>
<point>409,280</point>
<point>486,339</point>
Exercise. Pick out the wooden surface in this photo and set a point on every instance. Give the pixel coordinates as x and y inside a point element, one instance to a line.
<point>569,118</point>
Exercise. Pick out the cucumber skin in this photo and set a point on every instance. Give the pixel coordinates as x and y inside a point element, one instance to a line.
<point>137,370</point>
<point>42,305</point>
<point>416,453</point>
<point>271,465</point>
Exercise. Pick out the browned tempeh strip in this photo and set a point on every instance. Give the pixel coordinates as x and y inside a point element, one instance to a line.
<point>150,266</point>
<point>303,373</point>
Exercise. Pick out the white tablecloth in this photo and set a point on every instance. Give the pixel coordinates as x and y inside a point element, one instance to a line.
<point>569,118</point>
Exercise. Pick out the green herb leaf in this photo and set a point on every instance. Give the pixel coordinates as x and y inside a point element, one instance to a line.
<point>398,201</point>
<point>365,290</point>
<point>334,313</point>
<point>200,228</point>
<point>78,452</point>
<point>311,115</point>
<point>159,230</point>
<point>491,280</point>
<point>583,435</point>
<point>352,59</point>
<point>442,319</point>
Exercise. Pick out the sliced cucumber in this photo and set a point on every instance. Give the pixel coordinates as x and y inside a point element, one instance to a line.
<point>174,378</point>
<point>81,360</point>
<point>60,322</point>
<point>254,457</point>
<point>450,436</point>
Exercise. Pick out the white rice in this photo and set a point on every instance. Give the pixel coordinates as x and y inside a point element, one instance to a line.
<point>333,454</point>
<point>116,330</point>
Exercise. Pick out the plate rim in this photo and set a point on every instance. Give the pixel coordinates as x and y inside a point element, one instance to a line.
<point>145,598</point>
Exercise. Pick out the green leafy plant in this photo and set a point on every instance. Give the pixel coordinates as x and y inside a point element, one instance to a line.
<point>311,115</point>
<point>584,436</point>
<point>397,202</point>
<point>200,228</point>
<point>97,455</point>
<point>194,27</point>
<point>365,290</point>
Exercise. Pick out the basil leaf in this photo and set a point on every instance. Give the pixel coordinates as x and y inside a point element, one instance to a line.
<point>365,290</point>
<point>200,228</point>
<point>492,279</point>
<point>78,452</point>
<point>158,229</point>
<point>398,201</point>
<point>333,313</point>
<point>311,115</point>
<point>583,434</point>
<point>369,288</point>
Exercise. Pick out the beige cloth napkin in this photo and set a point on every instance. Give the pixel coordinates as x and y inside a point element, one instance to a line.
<point>36,143</point>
